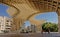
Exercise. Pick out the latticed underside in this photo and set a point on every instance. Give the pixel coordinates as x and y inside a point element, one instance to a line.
<point>22,10</point>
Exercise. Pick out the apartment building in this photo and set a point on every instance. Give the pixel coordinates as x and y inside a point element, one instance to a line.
<point>5,24</point>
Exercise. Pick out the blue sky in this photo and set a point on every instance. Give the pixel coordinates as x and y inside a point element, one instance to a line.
<point>3,9</point>
<point>49,17</point>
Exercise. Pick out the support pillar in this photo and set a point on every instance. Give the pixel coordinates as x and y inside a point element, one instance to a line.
<point>13,28</point>
<point>59,24</point>
<point>17,23</point>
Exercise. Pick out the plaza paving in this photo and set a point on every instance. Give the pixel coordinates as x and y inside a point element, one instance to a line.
<point>30,35</point>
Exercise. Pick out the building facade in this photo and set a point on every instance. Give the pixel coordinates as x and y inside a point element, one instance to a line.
<point>31,28</point>
<point>5,24</point>
<point>38,24</point>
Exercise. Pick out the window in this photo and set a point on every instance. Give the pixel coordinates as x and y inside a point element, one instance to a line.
<point>54,5</point>
<point>41,2</point>
<point>8,26</point>
<point>49,0</point>
<point>7,20</point>
<point>58,7</point>
<point>2,30</point>
<point>59,3</point>
<point>7,23</point>
<point>54,2</point>
<point>5,31</point>
<point>35,1</point>
<point>45,0</point>
<point>49,4</point>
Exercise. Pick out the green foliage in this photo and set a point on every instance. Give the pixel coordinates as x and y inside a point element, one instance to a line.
<point>50,26</point>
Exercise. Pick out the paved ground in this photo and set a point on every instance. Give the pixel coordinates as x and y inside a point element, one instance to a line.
<point>30,35</point>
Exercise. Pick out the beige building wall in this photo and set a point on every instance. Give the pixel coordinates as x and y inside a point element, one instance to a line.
<point>5,24</point>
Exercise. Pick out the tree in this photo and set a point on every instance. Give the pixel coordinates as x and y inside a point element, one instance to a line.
<point>48,26</point>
